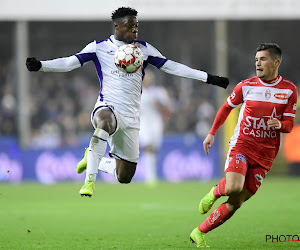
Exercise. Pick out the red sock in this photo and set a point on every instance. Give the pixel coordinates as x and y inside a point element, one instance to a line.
<point>220,189</point>
<point>215,219</point>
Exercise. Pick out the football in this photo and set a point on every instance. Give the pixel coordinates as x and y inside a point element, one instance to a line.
<point>128,58</point>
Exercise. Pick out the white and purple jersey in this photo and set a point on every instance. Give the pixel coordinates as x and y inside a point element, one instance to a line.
<point>118,89</point>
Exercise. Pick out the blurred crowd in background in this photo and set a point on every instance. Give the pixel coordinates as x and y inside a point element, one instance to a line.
<point>60,107</point>
<point>61,103</point>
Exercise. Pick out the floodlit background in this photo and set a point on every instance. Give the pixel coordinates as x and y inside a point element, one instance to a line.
<point>45,126</point>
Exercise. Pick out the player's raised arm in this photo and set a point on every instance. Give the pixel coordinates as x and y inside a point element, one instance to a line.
<point>63,64</point>
<point>171,67</point>
<point>182,70</point>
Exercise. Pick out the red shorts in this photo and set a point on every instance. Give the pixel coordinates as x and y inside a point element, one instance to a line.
<point>238,162</point>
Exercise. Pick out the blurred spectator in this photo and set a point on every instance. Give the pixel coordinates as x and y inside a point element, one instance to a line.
<point>8,101</point>
<point>205,115</point>
<point>155,109</point>
<point>47,137</point>
<point>62,101</point>
<point>8,110</point>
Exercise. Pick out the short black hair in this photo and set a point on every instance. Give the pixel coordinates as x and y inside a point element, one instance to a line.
<point>273,49</point>
<point>122,12</point>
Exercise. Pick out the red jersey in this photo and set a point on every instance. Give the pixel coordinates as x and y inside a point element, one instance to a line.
<point>260,101</point>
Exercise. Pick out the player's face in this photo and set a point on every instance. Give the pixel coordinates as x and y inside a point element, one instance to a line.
<point>127,29</point>
<point>266,65</point>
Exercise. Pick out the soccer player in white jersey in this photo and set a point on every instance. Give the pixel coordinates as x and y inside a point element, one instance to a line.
<point>268,108</point>
<point>155,103</point>
<point>116,114</point>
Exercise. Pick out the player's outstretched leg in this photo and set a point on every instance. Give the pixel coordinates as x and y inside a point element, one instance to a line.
<point>81,166</point>
<point>198,238</point>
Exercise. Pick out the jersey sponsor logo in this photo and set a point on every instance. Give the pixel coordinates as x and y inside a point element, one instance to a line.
<point>241,158</point>
<point>295,106</point>
<point>268,94</point>
<point>120,74</point>
<point>258,127</point>
<point>260,133</point>
<point>253,92</point>
<point>281,96</point>
<point>116,72</point>
<point>274,114</point>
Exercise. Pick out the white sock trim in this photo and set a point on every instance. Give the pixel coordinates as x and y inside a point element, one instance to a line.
<point>101,134</point>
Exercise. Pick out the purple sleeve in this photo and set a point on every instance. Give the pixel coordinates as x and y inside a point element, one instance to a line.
<point>158,62</point>
<point>85,57</point>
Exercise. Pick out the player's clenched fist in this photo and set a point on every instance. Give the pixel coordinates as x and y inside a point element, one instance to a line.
<point>33,64</point>
<point>274,123</point>
<point>208,143</point>
<point>217,80</point>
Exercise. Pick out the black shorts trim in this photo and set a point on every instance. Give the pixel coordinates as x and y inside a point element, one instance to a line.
<point>118,157</point>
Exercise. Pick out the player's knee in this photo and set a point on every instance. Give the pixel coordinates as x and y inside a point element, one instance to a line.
<point>125,171</point>
<point>105,120</point>
<point>105,125</point>
<point>124,178</point>
<point>233,188</point>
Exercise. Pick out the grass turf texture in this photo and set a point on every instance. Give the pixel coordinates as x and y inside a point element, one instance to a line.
<point>34,216</point>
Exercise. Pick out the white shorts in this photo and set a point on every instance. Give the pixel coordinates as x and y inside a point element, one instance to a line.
<point>124,142</point>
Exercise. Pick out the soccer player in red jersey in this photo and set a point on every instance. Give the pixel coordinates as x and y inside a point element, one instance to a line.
<point>268,108</point>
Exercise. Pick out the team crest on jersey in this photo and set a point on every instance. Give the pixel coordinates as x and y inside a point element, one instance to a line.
<point>230,158</point>
<point>268,94</point>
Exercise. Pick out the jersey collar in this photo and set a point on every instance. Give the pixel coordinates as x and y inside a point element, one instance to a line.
<point>272,82</point>
<point>115,41</point>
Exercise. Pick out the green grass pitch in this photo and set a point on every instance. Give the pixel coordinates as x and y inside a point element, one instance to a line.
<point>34,216</point>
